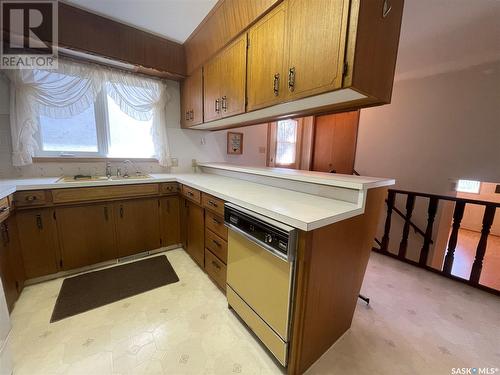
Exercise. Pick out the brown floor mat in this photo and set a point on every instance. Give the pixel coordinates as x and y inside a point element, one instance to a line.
<point>95,289</point>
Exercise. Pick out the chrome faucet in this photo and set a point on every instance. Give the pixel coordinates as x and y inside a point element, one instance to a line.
<point>108,170</point>
<point>129,162</point>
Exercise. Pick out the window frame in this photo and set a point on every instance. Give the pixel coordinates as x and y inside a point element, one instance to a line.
<point>273,144</point>
<point>102,134</point>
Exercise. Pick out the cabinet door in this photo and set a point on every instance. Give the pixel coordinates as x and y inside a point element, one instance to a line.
<point>195,233</point>
<point>266,80</point>
<point>6,271</point>
<point>14,251</point>
<point>211,90</point>
<point>170,221</point>
<point>86,235</point>
<point>192,99</point>
<point>137,226</point>
<point>232,64</point>
<point>183,221</point>
<point>316,36</point>
<point>38,240</point>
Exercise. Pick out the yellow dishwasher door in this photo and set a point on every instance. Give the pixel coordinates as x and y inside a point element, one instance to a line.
<point>263,282</point>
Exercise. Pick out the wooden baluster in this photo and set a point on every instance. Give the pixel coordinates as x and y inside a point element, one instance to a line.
<point>391,197</point>
<point>489,216</point>
<point>431,214</point>
<point>410,204</point>
<point>458,214</point>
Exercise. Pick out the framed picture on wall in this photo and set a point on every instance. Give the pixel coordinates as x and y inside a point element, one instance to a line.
<point>234,143</point>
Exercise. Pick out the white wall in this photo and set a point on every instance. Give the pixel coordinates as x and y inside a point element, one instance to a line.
<point>254,145</point>
<point>185,145</point>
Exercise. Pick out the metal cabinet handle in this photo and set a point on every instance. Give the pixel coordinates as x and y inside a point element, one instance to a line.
<point>212,203</point>
<point>31,198</point>
<point>276,84</point>
<point>291,79</point>
<point>216,221</point>
<point>4,209</point>
<point>186,116</point>
<point>191,115</point>
<point>5,234</point>
<point>215,264</point>
<point>216,242</point>
<point>106,215</point>
<point>39,222</point>
<point>386,9</point>
<point>121,212</point>
<point>217,105</point>
<point>224,103</point>
<point>190,194</point>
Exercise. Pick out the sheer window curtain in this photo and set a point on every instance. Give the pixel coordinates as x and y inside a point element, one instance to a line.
<point>72,89</point>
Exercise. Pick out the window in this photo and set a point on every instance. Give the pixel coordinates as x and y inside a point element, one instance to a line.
<point>286,142</point>
<point>103,130</point>
<point>468,186</point>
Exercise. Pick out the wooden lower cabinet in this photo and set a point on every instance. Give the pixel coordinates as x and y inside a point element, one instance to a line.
<point>137,226</point>
<point>86,235</point>
<point>216,269</point>
<point>38,239</point>
<point>11,262</point>
<point>195,229</point>
<point>170,221</point>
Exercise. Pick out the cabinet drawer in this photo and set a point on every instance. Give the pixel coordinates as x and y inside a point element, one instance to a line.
<point>191,194</point>
<point>4,209</point>
<point>216,224</point>
<point>169,188</point>
<point>211,203</point>
<point>215,269</point>
<point>100,193</point>
<point>216,245</point>
<point>31,198</point>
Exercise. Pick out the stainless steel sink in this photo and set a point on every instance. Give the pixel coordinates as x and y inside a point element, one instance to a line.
<point>72,179</point>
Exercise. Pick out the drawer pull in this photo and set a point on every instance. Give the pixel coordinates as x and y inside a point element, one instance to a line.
<point>216,265</point>
<point>216,221</point>
<point>190,194</point>
<point>31,198</point>
<point>4,209</point>
<point>39,222</point>
<point>121,212</point>
<point>212,203</point>
<point>217,243</point>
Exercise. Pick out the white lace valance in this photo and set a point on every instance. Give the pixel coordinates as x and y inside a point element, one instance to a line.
<point>72,89</point>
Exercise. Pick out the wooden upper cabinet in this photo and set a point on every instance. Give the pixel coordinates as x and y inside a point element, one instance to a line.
<point>266,73</point>
<point>211,90</point>
<point>137,226</point>
<point>86,235</point>
<point>224,82</point>
<point>233,77</point>
<point>192,99</point>
<point>316,43</point>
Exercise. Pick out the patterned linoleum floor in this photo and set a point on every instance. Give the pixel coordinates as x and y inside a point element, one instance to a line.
<point>417,323</point>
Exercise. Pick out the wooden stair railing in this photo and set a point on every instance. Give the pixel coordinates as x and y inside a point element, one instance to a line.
<point>432,207</point>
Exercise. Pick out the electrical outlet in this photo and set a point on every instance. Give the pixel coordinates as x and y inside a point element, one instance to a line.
<point>174,162</point>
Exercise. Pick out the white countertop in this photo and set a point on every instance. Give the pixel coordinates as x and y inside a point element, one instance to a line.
<point>320,178</point>
<point>300,210</point>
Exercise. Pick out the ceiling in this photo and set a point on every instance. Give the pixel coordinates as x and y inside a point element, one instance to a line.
<point>171,19</point>
<point>437,35</point>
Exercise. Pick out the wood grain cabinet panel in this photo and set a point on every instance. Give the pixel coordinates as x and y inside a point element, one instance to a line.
<point>103,193</point>
<point>86,235</point>
<point>31,198</point>
<point>266,72</point>
<point>216,245</point>
<point>215,269</point>
<point>137,226</point>
<point>38,240</point>
<point>213,204</point>
<point>216,224</point>
<point>170,221</point>
<point>192,99</point>
<point>224,82</point>
<point>317,33</point>
<point>191,194</point>
<point>11,262</point>
<point>195,239</point>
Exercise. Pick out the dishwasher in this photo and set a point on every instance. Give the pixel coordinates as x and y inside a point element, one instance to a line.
<point>260,275</point>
